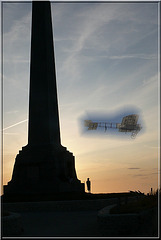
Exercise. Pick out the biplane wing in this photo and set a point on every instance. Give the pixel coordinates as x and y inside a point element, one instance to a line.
<point>130,120</point>
<point>129,123</point>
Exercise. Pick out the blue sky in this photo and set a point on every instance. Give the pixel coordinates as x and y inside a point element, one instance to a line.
<point>106,57</point>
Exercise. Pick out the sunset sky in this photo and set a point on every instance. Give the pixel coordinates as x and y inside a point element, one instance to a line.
<point>107,63</point>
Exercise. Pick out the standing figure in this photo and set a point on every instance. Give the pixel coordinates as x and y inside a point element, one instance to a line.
<point>88,182</point>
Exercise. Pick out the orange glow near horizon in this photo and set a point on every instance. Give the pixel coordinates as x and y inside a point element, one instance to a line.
<point>106,177</point>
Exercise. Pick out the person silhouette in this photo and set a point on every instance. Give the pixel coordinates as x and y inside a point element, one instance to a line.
<point>88,182</point>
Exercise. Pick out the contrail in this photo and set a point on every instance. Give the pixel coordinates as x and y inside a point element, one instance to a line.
<point>15,124</point>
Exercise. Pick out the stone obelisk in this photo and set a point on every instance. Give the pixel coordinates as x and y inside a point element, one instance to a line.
<point>43,166</point>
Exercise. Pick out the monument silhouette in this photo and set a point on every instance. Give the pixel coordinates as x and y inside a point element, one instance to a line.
<point>43,166</point>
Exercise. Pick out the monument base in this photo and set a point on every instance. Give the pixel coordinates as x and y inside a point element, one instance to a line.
<point>43,170</point>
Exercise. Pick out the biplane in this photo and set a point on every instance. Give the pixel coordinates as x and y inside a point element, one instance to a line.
<point>128,124</point>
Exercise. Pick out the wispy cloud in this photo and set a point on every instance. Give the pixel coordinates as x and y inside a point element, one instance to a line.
<point>146,175</point>
<point>11,112</point>
<point>140,175</point>
<point>13,125</point>
<point>139,56</point>
<point>133,168</point>
<point>17,37</point>
<point>11,133</point>
<point>151,81</point>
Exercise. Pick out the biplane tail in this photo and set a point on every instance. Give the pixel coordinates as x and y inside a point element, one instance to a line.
<point>91,125</point>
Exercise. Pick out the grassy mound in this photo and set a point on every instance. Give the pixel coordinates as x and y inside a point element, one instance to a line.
<point>142,204</point>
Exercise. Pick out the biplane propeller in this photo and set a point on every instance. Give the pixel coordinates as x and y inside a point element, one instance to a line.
<point>128,124</point>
